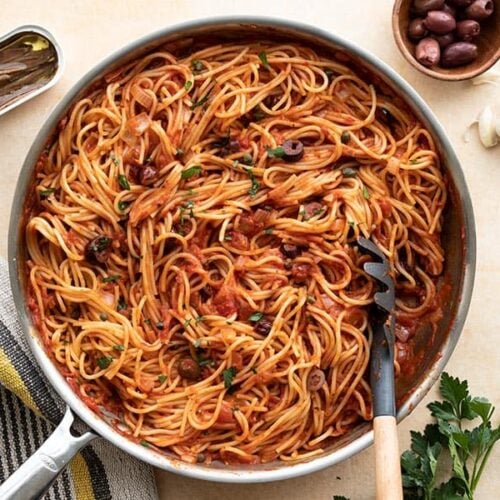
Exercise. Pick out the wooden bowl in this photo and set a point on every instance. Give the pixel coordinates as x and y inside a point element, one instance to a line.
<point>488,44</point>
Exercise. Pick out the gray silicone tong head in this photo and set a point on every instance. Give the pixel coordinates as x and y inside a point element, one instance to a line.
<point>382,318</point>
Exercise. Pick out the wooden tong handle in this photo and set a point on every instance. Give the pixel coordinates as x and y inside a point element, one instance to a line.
<point>387,465</point>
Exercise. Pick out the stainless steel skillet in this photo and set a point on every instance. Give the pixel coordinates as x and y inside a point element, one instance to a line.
<point>459,241</point>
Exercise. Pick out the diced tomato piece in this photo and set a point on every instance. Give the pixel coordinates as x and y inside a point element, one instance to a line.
<point>239,241</point>
<point>226,415</point>
<point>225,301</point>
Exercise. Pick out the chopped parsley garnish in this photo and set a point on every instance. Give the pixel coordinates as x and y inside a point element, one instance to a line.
<point>330,74</point>
<point>162,378</point>
<point>111,278</point>
<point>119,347</point>
<point>123,205</point>
<point>255,184</point>
<point>268,230</point>
<point>206,362</point>
<point>256,316</point>
<point>258,114</point>
<point>191,172</point>
<point>187,322</point>
<point>319,211</point>
<point>345,137</point>
<point>103,317</point>
<point>263,58</point>
<point>349,172</point>
<point>310,299</point>
<point>190,205</point>
<point>414,162</point>
<point>114,159</point>
<point>121,304</point>
<point>199,319</point>
<point>47,192</point>
<point>247,159</point>
<point>122,180</point>
<point>104,361</point>
<point>188,84</point>
<point>144,443</point>
<point>352,223</point>
<point>197,65</point>
<point>202,101</point>
<point>160,325</point>
<point>366,193</point>
<point>276,152</point>
<point>228,376</point>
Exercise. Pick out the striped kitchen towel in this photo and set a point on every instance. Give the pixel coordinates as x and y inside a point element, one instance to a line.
<point>29,410</point>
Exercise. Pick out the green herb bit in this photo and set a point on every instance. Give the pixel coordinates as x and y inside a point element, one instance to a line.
<point>188,85</point>
<point>119,347</point>
<point>197,65</point>
<point>187,322</point>
<point>310,299</point>
<point>121,304</point>
<point>147,322</point>
<point>345,137</point>
<point>199,319</point>
<point>111,278</point>
<point>268,230</point>
<point>276,152</point>
<point>122,180</point>
<point>256,316</point>
<point>191,172</point>
<point>103,317</point>
<point>206,362</point>
<point>258,113</point>
<point>319,211</point>
<point>201,102</point>
<point>255,184</point>
<point>46,193</point>
<point>104,361</point>
<point>414,162</point>
<point>123,205</point>
<point>247,159</point>
<point>144,443</point>
<point>263,58</point>
<point>330,74</point>
<point>352,224</point>
<point>114,159</point>
<point>366,193</point>
<point>162,378</point>
<point>228,376</point>
<point>349,172</point>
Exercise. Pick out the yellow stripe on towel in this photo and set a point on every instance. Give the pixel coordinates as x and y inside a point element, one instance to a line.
<point>12,381</point>
<point>81,479</point>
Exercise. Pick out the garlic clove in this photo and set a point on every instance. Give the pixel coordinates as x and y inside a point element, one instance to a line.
<point>487,127</point>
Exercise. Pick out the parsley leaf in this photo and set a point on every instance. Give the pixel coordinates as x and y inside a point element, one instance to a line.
<point>228,376</point>
<point>162,378</point>
<point>201,101</point>
<point>276,152</point>
<point>104,361</point>
<point>255,183</point>
<point>122,180</point>
<point>345,137</point>
<point>191,172</point>
<point>263,59</point>
<point>123,205</point>
<point>197,65</point>
<point>366,193</point>
<point>46,193</point>
<point>119,347</point>
<point>255,317</point>
<point>349,172</point>
<point>111,278</point>
<point>188,84</point>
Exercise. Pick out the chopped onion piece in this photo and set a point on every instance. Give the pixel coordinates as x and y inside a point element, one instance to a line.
<point>108,299</point>
<point>138,124</point>
<point>142,97</point>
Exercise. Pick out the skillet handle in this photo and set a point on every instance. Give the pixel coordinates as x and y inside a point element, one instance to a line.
<point>35,476</point>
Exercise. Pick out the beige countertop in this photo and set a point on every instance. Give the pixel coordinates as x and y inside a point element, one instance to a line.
<point>88,30</point>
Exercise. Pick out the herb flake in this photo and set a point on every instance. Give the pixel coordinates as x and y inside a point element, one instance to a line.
<point>228,376</point>
<point>104,362</point>
<point>188,85</point>
<point>111,278</point>
<point>263,59</point>
<point>119,347</point>
<point>256,316</point>
<point>46,193</point>
<point>191,172</point>
<point>276,152</point>
<point>122,180</point>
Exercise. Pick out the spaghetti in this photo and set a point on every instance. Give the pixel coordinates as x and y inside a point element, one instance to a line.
<point>192,258</point>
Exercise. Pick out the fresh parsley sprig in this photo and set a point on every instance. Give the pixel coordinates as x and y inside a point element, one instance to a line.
<point>468,449</point>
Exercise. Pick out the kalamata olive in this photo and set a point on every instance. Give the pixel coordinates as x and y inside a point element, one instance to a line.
<point>264,326</point>
<point>461,3</point>
<point>428,52</point>
<point>97,251</point>
<point>293,150</point>
<point>444,40</point>
<point>148,175</point>
<point>468,30</point>
<point>417,29</point>
<point>479,9</point>
<point>423,6</point>
<point>458,53</point>
<point>316,379</point>
<point>439,22</point>
<point>290,251</point>
<point>189,369</point>
<point>449,9</point>
<point>234,145</point>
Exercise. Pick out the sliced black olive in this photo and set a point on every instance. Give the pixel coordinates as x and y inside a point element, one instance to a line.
<point>290,251</point>
<point>97,251</point>
<point>263,326</point>
<point>293,150</point>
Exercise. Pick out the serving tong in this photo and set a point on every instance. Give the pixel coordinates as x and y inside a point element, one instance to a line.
<point>387,465</point>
